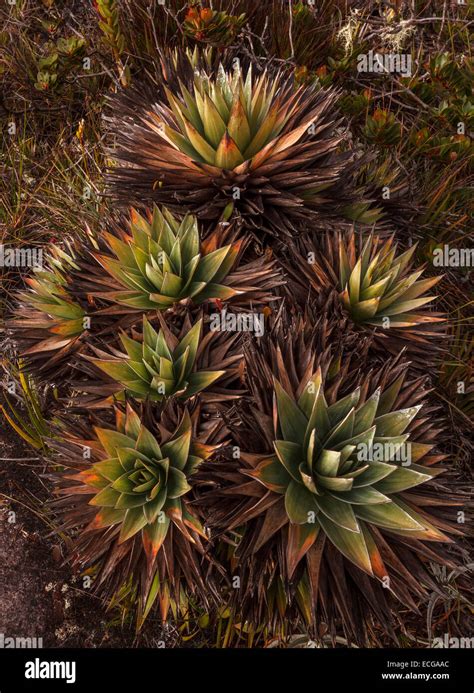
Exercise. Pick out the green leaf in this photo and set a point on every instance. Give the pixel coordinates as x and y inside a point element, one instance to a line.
<point>172,285</point>
<point>344,265</point>
<point>107,517</point>
<point>263,134</point>
<point>113,440</point>
<point>365,415</point>
<point>354,283</point>
<point>117,370</point>
<point>351,544</point>
<point>133,522</point>
<point>338,512</point>
<point>366,495</point>
<point>376,472</point>
<point>121,250</point>
<point>365,438</point>
<point>177,483</point>
<point>388,515</point>
<point>396,422</point>
<point>123,484</point>
<point>200,380</point>
<point>406,306</point>
<point>238,125</point>
<point>107,497</point>
<point>191,340</point>
<point>189,248</point>
<point>340,409</point>
<point>334,483</point>
<point>365,310</point>
<point>228,155</point>
<point>290,455</point>
<point>155,533</point>
<point>110,469</point>
<point>132,424</point>
<point>178,449</point>
<point>328,463</point>
<point>202,147</point>
<point>342,432</point>
<point>291,419</point>
<point>271,473</point>
<point>404,478</point>
<point>131,500</point>
<point>214,126</point>
<point>215,291</point>
<point>319,419</point>
<point>310,393</point>
<point>147,444</point>
<point>209,264</point>
<point>153,507</point>
<point>299,502</point>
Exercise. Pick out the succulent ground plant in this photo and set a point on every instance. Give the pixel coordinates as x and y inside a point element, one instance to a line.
<point>140,484</point>
<point>208,26</point>
<point>160,366</point>
<point>339,467</point>
<point>130,496</point>
<point>49,321</point>
<point>378,284</point>
<point>339,464</point>
<point>256,144</point>
<point>61,310</point>
<point>163,262</point>
<point>374,290</point>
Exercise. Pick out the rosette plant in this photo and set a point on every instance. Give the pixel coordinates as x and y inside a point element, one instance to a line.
<point>209,26</point>
<point>49,319</point>
<point>228,140</point>
<point>163,262</point>
<point>160,366</point>
<point>140,484</point>
<point>323,465</point>
<point>376,293</point>
<point>131,500</point>
<point>377,284</point>
<point>336,487</point>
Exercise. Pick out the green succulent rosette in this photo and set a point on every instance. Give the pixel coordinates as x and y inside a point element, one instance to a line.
<point>325,466</point>
<point>378,287</point>
<point>164,262</point>
<point>49,306</point>
<point>155,370</point>
<point>142,484</point>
